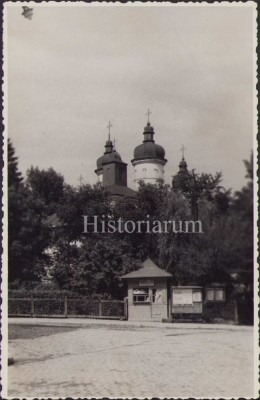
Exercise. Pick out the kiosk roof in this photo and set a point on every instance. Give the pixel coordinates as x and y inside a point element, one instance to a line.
<point>148,270</point>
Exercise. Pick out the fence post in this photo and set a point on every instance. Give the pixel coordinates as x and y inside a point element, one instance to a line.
<point>66,307</point>
<point>32,307</point>
<point>236,313</point>
<point>100,308</point>
<point>126,308</point>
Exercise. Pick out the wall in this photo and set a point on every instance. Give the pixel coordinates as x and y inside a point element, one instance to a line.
<point>114,174</point>
<point>148,311</point>
<point>145,170</point>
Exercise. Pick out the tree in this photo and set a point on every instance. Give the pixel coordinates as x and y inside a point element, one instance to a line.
<point>92,262</point>
<point>241,243</point>
<point>27,237</point>
<point>199,187</point>
<point>46,186</point>
<point>14,175</point>
<point>190,257</point>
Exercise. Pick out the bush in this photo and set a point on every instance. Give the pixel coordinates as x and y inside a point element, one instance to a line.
<point>213,311</point>
<point>49,307</point>
<point>83,307</point>
<point>19,307</point>
<point>112,308</point>
<point>42,294</point>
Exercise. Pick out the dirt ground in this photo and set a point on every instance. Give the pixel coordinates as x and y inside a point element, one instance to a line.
<point>118,360</point>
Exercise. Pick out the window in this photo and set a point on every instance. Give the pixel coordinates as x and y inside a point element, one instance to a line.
<point>141,295</point>
<point>215,294</point>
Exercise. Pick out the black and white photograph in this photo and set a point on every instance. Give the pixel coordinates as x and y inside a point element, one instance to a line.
<point>129,200</point>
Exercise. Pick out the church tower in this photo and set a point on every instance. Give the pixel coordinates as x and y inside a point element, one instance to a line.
<point>148,158</point>
<point>104,158</point>
<point>181,181</point>
<point>112,171</point>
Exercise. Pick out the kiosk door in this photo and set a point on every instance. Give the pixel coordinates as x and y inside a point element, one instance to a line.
<point>157,306</point>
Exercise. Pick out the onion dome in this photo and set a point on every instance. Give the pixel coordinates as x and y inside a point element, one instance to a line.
<point>181,181</point>
<point>149,149</point>
<point>100,162</point>
<point>108,146</point>
<point>114,156</point>
<point>183,166</point>
<point>110,155</point>
<point>105,157</point>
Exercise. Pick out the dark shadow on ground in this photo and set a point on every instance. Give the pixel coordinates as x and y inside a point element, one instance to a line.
<point>34,331</point>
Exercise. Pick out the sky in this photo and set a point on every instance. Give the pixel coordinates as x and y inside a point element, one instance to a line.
<point>73,68</point>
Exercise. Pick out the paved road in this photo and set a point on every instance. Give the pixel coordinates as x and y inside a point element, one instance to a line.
<point>122,360</point>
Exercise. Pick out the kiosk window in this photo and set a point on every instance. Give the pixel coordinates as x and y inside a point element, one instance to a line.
<point>141,295</point>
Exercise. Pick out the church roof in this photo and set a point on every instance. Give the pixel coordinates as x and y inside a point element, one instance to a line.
<point>148,270</point>
<point>114,156</point>
<point>110,155</point>
<point>119,190</point>
<point>149,149</point>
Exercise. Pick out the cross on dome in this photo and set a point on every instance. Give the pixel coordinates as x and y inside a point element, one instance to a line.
<point>148,115</point>
<point>81,179</point>
<point>182,150</point>
<point>109,126</point>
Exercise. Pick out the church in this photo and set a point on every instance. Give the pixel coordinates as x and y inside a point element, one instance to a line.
<point>150,293</point>
<point>148,162</point>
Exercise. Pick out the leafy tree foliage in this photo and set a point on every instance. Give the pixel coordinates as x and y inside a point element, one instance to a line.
<point>26,234</point>
<point>241,238</point>
<point>14,175</point>
<point>47,186</point>
<point>199,187</point>
<point>92,263</point>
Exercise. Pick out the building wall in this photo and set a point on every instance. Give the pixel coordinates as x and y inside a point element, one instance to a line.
<point>148,171</point>
<point>114,174</point>
<point>148,311</point>
<point>100,177</point>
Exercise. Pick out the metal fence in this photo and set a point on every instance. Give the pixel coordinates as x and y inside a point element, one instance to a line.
<point>67,307</point>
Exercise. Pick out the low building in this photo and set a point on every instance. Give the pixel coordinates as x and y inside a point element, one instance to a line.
<point>148,293</point>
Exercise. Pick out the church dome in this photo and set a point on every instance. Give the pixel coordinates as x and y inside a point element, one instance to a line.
<point>148,128</point>
<point>183,165</point>
<point>149,149</point>
<point>111,157</point>
<point>100,162</point>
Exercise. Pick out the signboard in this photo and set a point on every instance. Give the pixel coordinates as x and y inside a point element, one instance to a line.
<point>197,296</point>
<point>210,294</point>
<point>181,296</point>
<point>219,294</point>
<point>146,282</point>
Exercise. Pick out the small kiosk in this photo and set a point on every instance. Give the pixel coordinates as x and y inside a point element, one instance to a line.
<point>186,301</point>
<point>148,293</point>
